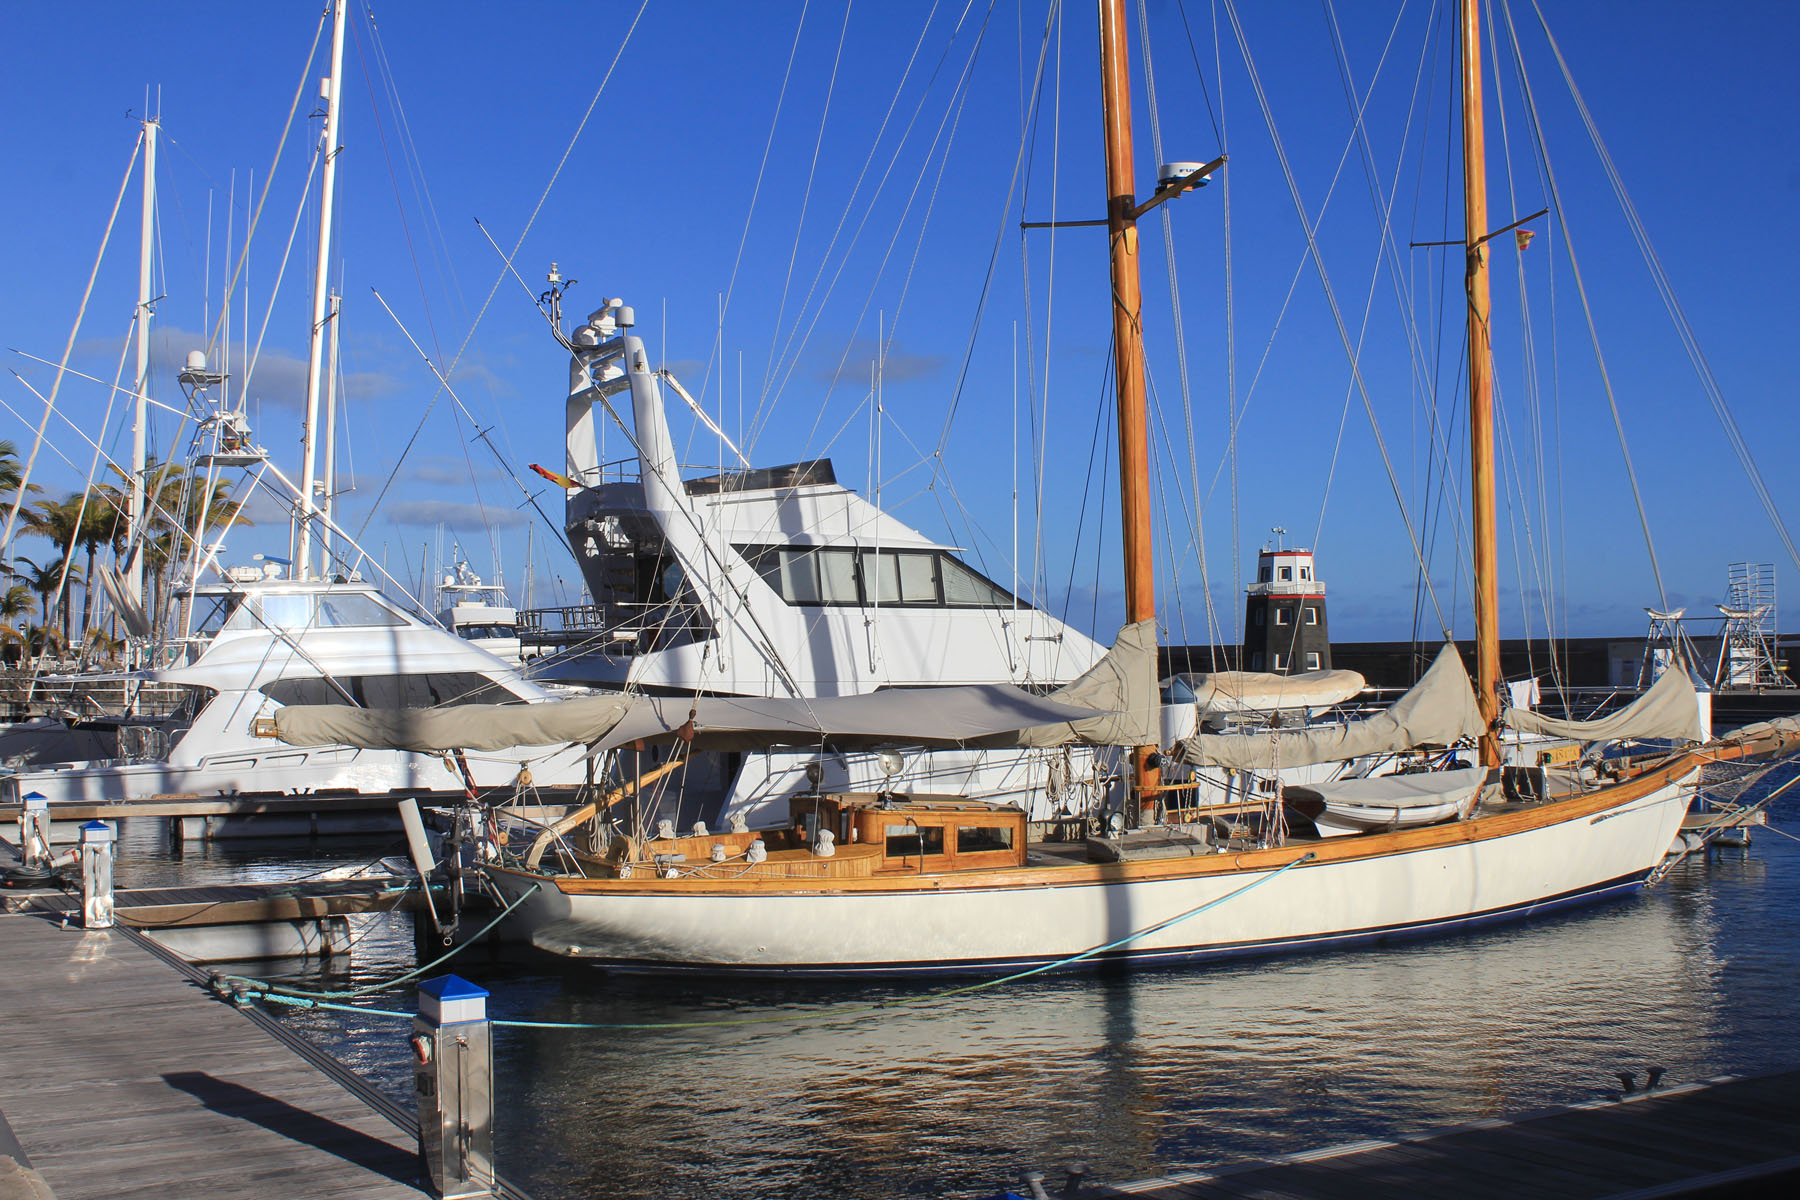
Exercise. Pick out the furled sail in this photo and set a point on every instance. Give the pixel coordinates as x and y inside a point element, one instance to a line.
<point>1668,710</point>
<point>1439,710</point>
<point>1262,691</point>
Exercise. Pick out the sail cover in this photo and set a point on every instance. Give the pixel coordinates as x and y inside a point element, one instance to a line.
<point>1121,686</point>
<point>457,727</point>
<point>1440,709</point>
<point>949,716</point>
<point>1261,691</point>
<point>1668,710</point>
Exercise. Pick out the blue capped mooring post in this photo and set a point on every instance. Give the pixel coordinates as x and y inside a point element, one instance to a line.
<point>453,1063</point>
<point>97,875</point>
<point>34,830</point>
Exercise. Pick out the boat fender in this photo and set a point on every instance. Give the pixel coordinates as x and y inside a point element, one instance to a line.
<point>665,828</point>
<point>718,852</point>
<point>757,852</point>
<point>825,846</point>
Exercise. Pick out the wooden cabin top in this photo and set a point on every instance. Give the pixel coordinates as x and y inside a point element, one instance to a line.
<point>872,834</point>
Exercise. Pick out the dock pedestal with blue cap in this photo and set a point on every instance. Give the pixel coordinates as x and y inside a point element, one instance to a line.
<point>34,830</point>
<point>97,875</point>
<point>453,1054</point>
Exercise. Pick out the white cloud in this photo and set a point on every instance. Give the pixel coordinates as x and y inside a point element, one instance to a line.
<point>459,516</point>
<point>279,378</point>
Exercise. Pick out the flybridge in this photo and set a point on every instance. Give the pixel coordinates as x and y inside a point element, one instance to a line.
<point>775,581</point>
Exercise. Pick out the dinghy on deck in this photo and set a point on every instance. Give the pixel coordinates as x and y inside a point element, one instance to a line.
<point>1388,802</point>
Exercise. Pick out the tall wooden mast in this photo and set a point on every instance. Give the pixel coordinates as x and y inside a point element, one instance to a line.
<point>1128,344</point>
<point>1481,387</point>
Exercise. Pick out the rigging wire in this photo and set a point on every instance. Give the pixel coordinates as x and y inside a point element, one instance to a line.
<point>1331,299</point>
<point>1665,288</point>
<point>1612,401</point>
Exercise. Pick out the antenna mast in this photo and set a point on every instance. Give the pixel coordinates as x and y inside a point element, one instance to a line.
<point>309,466</point>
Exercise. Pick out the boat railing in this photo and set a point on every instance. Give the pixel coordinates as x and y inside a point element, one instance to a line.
<point>613,626</point>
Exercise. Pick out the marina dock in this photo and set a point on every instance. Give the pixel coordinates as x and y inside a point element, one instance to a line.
<point>124,1078</point>
<point>1718,1137</point>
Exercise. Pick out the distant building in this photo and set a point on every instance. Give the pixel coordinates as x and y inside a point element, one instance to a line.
<point>1284,616</point>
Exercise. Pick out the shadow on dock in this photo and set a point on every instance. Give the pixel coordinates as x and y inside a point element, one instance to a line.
<point>278,1116</point>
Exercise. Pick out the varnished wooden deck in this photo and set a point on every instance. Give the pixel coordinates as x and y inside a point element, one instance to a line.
<point>1723,1137</point>
<point>123,1078</point>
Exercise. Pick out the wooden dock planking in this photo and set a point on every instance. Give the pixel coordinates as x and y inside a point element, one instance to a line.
<point>1663,1143</point>
<point>124,1079</point>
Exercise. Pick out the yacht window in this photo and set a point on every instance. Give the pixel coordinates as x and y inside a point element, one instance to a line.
<point>211,613</point>
<point>903,577</point>
<point>441,690</point>
<point>837,576</point>
<point>910,841</point>
<point>963,588</point>
<point>355,608</point>
<point>286,612</point>
<point>799,577</point>
<point>973,839</point>
<point>486,631</point>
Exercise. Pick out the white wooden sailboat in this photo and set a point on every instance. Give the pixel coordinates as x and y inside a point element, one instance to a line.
<point>878,882</point>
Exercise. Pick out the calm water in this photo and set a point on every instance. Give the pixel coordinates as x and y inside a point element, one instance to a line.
<point>1135,1075</point>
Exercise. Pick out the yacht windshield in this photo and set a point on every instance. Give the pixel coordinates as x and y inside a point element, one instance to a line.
<point>308,610</point>
<point>211,612</point>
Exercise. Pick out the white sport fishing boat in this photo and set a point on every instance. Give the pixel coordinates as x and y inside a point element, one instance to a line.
<point>260,644</point>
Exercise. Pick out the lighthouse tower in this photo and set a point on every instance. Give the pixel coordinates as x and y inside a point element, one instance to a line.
<point>1284,616</point>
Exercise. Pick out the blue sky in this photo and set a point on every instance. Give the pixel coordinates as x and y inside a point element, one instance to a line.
<point>668,180</point>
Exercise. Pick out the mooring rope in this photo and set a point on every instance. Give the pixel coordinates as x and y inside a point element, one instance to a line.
<point>295,999</point>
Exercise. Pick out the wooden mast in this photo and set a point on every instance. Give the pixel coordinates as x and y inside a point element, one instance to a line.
<point>1481,388</point>
<point>1128,347</point>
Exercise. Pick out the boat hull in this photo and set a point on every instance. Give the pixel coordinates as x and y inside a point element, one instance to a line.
<point>1409,884</point>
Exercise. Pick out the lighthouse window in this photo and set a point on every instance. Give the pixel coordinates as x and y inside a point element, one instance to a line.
<point>1284,574</point>
<point>1306,573</point>
<point>1259,616</point>
<point>1281,662</point>
<point>1312,660</point>
<point>1312,615</point>
<point>1281,616</point>
<point>1256,661</point>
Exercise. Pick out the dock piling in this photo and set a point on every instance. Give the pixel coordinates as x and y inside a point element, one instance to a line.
<point>97,875</point>
<point>453,1051</point>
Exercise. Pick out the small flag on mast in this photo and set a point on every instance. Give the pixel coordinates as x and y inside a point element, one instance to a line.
<point>554,477</point>
<point>1523,237</point>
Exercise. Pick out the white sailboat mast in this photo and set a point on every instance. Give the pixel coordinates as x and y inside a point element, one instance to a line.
<point>137,508</point>
<point>328,480</point>
<point>321,297</point>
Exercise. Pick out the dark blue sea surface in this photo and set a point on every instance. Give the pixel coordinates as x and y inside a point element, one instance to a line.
<point>1135,1075</point>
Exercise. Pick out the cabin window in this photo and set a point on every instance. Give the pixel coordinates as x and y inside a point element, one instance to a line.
<point>913,578</point>
<point>1284,574</point>
<point>1312,615</point>
<point>1312,660</point>
<point>1281,616</point>
<point>974,839</point>
<point>442,690</point>
<point>911,841</point>
<point>902,576</point>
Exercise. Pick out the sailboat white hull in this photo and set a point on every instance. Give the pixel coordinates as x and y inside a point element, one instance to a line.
<point>1430,881</point>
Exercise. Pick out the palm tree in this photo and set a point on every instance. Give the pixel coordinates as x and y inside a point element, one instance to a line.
<point>47,581</point>
<point>175,499</point>
<point>15,602</point>
<point>11,474</point>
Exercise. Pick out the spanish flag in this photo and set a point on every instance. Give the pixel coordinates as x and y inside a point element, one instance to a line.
<point>553,477</point>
